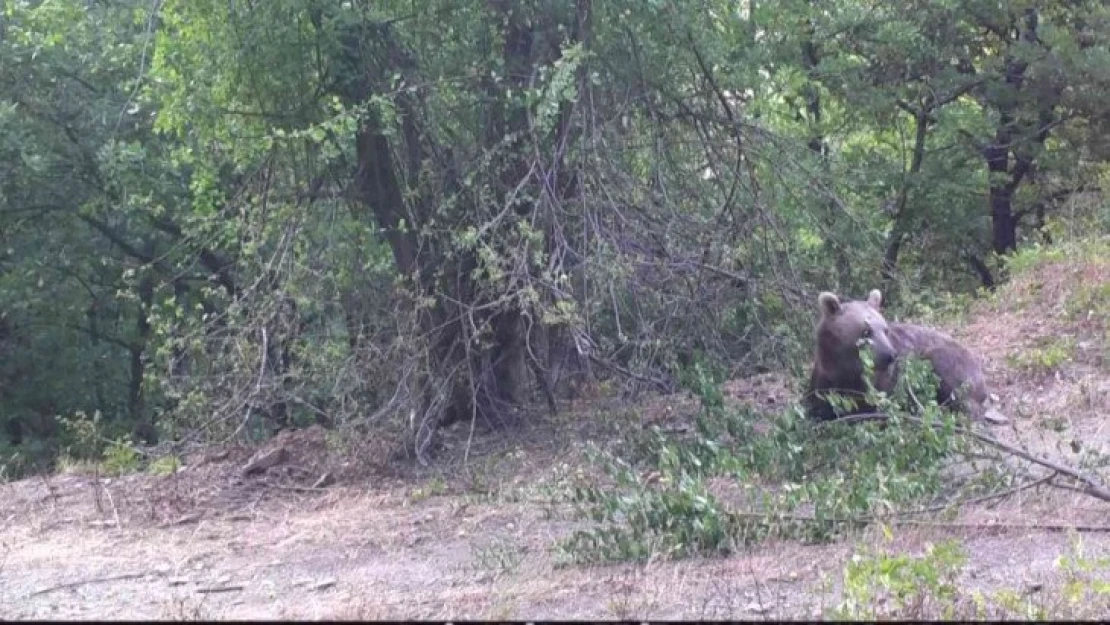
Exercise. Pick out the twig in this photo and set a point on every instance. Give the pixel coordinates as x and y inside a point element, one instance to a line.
<point>215,589</point>
<point>52,494</point>
<point>95,580</point>
<point>758,592</point>
<point>987,497</point>
<point>257,386</point>
<point>299,489</point>
<point>184,520</point>
<point>115,512</point>
<point>1044,527</point>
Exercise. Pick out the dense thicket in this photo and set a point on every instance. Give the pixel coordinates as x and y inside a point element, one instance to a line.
<point>223,218</point>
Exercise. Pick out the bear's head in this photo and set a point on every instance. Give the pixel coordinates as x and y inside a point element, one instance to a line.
<point>845,325</point>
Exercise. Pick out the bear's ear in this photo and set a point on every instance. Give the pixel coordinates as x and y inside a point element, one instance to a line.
<point>829,303</point>
<point>875,299</point>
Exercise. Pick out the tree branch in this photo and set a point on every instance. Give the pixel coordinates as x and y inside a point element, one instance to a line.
<point>1090,486</point>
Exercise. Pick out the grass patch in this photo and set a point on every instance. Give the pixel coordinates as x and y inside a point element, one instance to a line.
<point>433,488</point>
<point>943,308</point>
<point>1034,256</point>
<point>68,465</point>
<point>166,465</point>
<point>118,458</point>
<point>1088,250</point>
<point>500,557</point>
<point>1046,356</point>
<point>894,586</point>
<point>1089,302</point>
<point>121,458</point>
<point>883,585</point>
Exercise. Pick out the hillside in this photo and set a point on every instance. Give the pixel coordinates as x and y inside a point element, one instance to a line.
<point>476,542</point>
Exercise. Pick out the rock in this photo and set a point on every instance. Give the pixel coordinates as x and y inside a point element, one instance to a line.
<point>995,417</point>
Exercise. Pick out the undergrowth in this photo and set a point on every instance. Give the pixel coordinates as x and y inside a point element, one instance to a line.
<point>801,480</point>
<point>893,586</point>
<point>87,445</point>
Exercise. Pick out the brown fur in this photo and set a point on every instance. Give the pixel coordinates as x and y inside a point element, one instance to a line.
<point>837,366</point>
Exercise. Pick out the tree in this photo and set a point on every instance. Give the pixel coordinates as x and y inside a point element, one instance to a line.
<point>224,219</point>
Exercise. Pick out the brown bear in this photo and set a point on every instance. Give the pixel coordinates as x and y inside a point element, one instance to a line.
<point>838,368</point>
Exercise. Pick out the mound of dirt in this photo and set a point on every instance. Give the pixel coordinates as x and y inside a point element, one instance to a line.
<point>771,390</point>
<point>1044,341</point>
<point>228,481</point>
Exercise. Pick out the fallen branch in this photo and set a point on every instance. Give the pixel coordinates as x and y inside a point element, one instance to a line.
<point>1090,486</point>
<point>1093,487</point>
<point>988,497</point>
<point>1042,527</point>
<point>299,489</point>
<point>95,580</point>
<point>662,385</point>
<point>869,519</point>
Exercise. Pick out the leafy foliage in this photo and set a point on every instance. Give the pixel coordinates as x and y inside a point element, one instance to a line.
<point>801,480</point>
<point>910,584</point>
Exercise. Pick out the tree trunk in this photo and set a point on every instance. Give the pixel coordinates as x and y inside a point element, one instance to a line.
<point>550,344</point>
<point>1000,191</point>
<point>902,214</point>
<point>460,380</point>
<point>811,95</point>
<point>141,426</point>
<point>1003,226</point>
<point>980,268</point>
<point>510,369</point>
<point>1010,140</point>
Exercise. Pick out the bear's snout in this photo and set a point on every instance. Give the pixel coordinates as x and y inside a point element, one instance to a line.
<point>884,358</point>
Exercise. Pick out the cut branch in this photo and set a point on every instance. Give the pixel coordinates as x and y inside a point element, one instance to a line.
<point>1089,485</point>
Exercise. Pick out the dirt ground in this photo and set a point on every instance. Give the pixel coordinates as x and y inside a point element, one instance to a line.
<point>475,541</point>
<point>425,548</point>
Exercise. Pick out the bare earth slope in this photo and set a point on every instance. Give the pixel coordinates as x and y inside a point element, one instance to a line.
<point>208,542</point>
